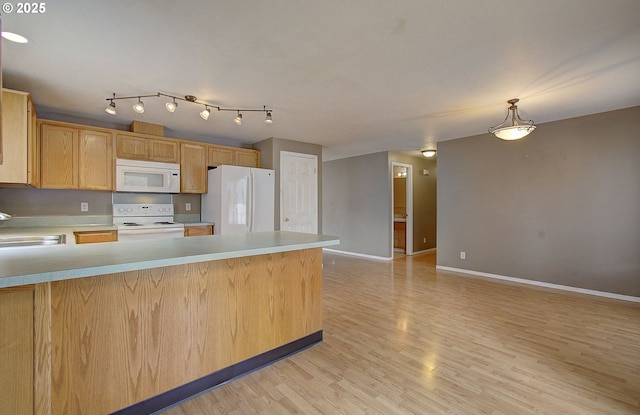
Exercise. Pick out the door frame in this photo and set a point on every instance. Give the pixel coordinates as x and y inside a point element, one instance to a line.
<point>409,202</point>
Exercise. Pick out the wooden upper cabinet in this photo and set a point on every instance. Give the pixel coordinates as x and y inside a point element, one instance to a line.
<point>95,160</point>
<point>217,155</point>
<point>59,157</point>
<point>166,151</point>
<point>247,157</point>
<point>131,147</point>
<point>136,147</point>
<point>73,158</point>
<point>193,168</point>
<point>21,157</point>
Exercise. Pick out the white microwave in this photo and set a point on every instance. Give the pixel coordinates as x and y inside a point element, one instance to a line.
<point>147,176</point>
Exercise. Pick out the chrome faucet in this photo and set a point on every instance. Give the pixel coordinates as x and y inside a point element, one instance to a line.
<point>4,216</point>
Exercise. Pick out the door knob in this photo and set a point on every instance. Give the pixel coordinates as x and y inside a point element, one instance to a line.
<point>286,219</point>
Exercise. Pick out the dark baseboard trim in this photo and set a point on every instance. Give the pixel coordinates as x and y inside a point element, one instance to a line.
<point>169,398</point>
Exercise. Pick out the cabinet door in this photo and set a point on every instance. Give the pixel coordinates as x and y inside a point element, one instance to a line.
<point>33,147</point>
<point>17,350</point>
<point>95,160</point>
<point>218,156</point>
<point>247,158</point>
<point>59,157</point>
<point>193,168</point>
<point>131,147</point>
<point>166,151</point>
<point>13,169</point>
<point>90,237</point>
<point>198,230</point>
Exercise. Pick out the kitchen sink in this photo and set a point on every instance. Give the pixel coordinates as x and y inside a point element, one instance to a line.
<point>33,240</point>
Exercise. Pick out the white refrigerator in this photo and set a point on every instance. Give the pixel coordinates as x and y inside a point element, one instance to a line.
<point>239,200</point>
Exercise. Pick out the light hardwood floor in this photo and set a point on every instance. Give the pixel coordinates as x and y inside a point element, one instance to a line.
<point>403,338</point>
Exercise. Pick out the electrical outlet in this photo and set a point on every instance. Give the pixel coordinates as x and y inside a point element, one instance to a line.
<point>84,207</point>
<point>463,255</point>
<point>187,206</point>
<point>424,240</point>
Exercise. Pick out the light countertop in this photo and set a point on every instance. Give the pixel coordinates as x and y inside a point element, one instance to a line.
<point>37,264</point>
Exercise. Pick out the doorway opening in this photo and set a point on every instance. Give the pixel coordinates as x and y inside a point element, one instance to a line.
<point>402,209</point>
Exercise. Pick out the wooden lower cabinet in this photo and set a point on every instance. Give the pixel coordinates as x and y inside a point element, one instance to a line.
<point>16,349</point>
<point>400,235</point>
<point>104,343</point>
<point>198,230</point>
<point>90,237</point>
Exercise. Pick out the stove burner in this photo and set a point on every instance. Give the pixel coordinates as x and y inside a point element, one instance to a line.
<point>164,223</point>
<point>131,224</point>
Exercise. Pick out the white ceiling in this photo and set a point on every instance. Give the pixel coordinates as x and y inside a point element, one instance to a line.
<point>355,76</point>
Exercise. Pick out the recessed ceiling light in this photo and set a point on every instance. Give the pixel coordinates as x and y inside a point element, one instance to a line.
<point>14,37</point>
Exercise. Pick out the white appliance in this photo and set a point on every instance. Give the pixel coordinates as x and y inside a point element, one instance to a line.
<point>147,176</point>
<point>137,222</point>
<point>239,200</point>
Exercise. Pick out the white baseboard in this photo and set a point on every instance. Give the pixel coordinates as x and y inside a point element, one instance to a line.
<point>336,251</point>
<point>542,284</point>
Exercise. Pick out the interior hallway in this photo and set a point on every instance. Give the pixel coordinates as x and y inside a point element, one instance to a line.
<point>400,337</point>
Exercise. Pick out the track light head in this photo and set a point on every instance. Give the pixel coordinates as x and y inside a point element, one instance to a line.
<point>171,106</point>
<point>238,119</point>
<point>111,108</point>
<point>268,119</point>
<point>138,106</point>
<point>205,113</point>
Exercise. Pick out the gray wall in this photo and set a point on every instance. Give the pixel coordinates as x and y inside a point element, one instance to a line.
<point>560,206</point>
<point>270,159</point>
<point>28,202</point>
<point>357,203</point>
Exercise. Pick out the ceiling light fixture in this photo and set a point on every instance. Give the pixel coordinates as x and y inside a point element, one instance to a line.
<point>111,108</point>
<point>138,106</point>
<point>428,153</point>
<point>514,129</point>
<point>14,37</point>
<point>268,119</point>
<point>172,105</point>
<point>205,113</point>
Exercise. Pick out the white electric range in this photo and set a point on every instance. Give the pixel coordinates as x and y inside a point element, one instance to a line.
<point>146,221</point>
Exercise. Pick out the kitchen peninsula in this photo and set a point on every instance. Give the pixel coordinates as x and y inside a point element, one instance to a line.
<point>130,328</point>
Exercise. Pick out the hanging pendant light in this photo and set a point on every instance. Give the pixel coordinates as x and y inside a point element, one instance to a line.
<point>268,119</point>
<point>205,113</point>
<point>238,119</point>
<point>513,129</point>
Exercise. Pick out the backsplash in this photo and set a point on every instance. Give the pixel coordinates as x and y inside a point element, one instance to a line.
<point>29,204</point>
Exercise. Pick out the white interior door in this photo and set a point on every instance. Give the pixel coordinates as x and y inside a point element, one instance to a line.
<point>298,192</point>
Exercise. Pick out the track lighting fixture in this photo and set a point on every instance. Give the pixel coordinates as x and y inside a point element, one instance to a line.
<point>172,105</point>
<point>138,106</point>
<point>205,113</point>
<point>111,108</point>
<point>516,128</point>
<point>428,153</point>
